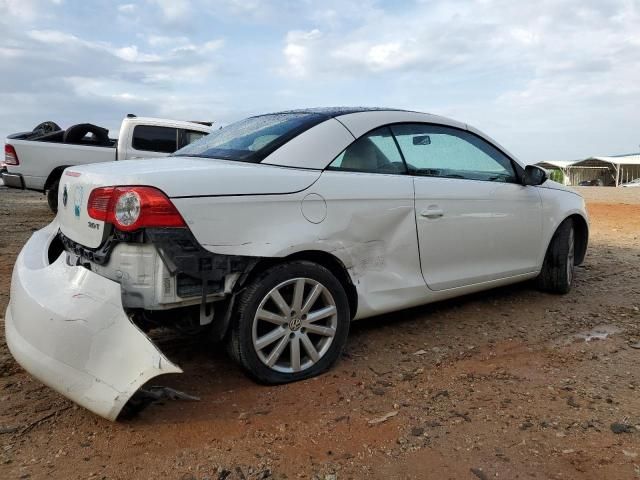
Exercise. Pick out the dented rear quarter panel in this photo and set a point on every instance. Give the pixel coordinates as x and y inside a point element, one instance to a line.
<point>368,224</point>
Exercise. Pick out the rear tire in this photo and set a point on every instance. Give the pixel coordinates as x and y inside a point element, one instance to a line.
<point>556,275</point>
<point>52,196</point>
<point>290,323</point>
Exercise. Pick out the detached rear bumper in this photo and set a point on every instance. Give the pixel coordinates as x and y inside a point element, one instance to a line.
<point>66,326</point>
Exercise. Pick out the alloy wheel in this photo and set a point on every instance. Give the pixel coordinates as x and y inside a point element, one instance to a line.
<point>294,325</point>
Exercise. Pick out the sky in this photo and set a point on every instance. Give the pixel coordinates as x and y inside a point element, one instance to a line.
<point>549,80</point>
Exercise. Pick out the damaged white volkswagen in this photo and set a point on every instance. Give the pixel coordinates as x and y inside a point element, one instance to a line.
<point>272,235</point>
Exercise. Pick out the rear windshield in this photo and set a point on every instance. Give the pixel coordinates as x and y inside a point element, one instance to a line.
<point>252,139</point>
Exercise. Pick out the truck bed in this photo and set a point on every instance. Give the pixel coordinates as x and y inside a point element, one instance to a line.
<point>58,138</point>
<point>39,158</point>
<point>80,134</point>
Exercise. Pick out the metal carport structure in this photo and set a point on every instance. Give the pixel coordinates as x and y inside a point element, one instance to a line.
<point>612,171</point>
<point>561,165</point>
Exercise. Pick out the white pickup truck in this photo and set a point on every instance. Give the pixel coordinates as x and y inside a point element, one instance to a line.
<point>35,160</point>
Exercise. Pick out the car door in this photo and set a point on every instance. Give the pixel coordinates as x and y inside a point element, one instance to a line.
<point>475,221</point>
<point>370,222</point>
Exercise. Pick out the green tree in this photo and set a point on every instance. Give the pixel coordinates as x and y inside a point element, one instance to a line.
<point>556,175</point>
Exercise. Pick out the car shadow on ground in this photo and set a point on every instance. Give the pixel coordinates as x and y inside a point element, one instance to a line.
<point>210,374</point>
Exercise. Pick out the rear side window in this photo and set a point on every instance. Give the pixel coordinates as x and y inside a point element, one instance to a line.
<point>375,152</point>
<point>155,139</point>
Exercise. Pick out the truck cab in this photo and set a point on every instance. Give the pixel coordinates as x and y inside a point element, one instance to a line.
<point>145,137</point>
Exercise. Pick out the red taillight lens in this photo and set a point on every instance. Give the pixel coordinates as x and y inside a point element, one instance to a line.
<point>131,208</point>
<point>10,155</point>
<point>99,201</point>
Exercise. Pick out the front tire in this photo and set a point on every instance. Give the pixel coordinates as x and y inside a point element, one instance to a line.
<point>557,271</point>
<point>291,323</point>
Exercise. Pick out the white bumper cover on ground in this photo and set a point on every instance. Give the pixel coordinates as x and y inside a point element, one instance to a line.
<point>66,326</point>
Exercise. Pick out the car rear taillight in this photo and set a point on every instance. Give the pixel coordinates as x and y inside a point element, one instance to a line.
<point>98,203</point>
<point>10,155</point>
<point>131,208</point>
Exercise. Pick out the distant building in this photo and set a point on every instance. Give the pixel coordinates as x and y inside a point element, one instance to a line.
<point>606,171</point>
<point>599,171</point>
<point>560,166</point>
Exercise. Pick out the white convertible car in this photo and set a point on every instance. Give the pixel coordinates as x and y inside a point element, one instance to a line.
<point>273,234</point>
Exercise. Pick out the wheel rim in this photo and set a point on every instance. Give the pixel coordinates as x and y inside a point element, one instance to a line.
<point>570,255</point>
<point>294,325</point>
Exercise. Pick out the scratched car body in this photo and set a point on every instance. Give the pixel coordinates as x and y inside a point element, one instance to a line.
<point>270,236</point>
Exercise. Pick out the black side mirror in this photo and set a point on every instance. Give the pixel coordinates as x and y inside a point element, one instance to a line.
<point>534,175</point>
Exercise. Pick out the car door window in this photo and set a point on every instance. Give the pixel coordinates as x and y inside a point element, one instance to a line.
<point>155,139</point>
<point>438,151</point>
<point>375,152</point>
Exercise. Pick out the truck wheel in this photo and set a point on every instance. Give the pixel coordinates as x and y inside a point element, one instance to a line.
<point>52,196</point>
<point>557,271</point>
<point>291,323</point>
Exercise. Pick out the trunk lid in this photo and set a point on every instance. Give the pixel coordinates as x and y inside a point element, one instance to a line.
<point>74,219</point>
<point>177,177</point>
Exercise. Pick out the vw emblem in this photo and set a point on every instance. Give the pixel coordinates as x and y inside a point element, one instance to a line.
<point>65,196</point>
<point>295,324</point>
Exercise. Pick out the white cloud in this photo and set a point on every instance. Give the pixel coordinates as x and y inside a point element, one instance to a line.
<point>129,53</point>
<point>127,8</point>
<point>163,40</point>
<point>245,6</point>
<point>53,36</point>
<point>18,9</point>
<point>8,52</point>
<point>296,51</point>
<point>174,10</point>
<point>24,11</point>
<point>378,57</point>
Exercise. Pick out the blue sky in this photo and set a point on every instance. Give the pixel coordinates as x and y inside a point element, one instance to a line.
<point>550,80</point>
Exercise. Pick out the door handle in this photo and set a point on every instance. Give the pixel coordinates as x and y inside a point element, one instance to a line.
<point>432,213</point>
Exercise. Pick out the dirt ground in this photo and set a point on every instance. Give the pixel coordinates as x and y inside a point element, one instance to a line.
<point>501,384</point>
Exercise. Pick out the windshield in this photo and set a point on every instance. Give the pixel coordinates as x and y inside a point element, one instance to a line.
<point>252,139</point>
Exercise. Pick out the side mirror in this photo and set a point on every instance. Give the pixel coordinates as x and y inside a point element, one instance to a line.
<point>534,175</point>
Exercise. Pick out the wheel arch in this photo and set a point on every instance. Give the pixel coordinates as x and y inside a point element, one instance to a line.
<point>327,260</point>
<point>581,237</point>
<point>581,228</point>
